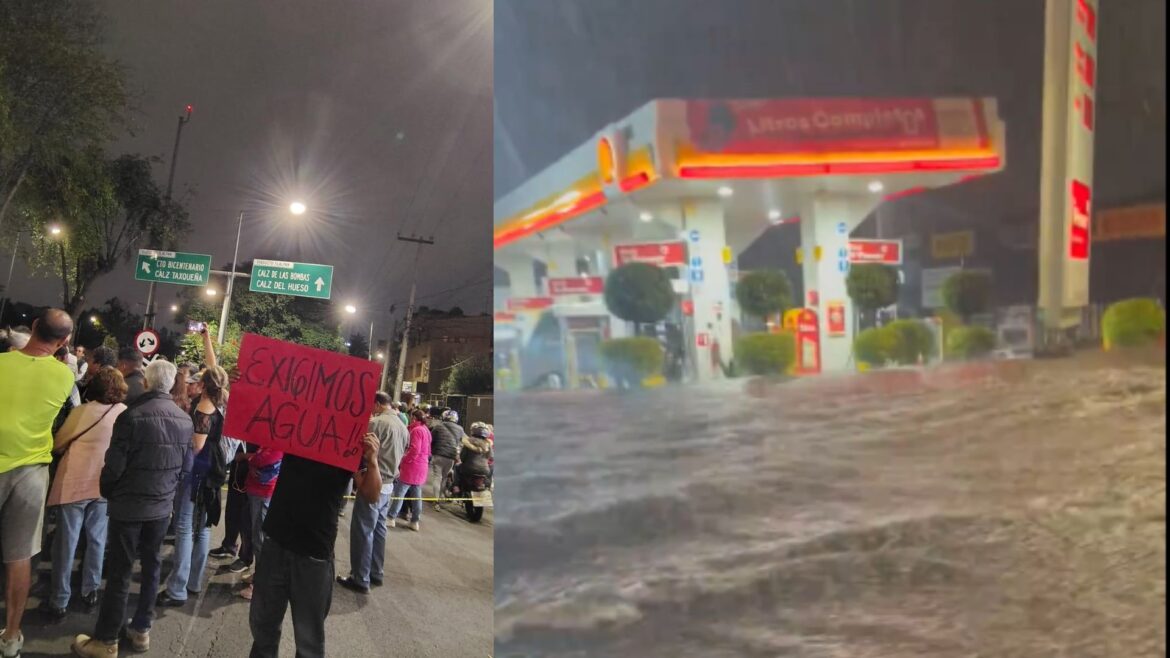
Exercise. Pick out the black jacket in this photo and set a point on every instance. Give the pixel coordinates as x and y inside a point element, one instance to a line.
<point>144,463</point>
<point>474,456</point>
<point>444,442</point>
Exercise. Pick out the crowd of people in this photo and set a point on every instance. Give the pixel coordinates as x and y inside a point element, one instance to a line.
<point>105,449</point>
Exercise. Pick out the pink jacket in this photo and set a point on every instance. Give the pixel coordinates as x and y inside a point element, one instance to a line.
<point>415,464</point>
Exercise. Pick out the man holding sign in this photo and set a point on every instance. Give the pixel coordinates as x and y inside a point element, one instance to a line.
<point>314,406</point>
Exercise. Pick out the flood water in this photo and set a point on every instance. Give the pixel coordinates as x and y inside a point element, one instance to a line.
<point>1019,515</point>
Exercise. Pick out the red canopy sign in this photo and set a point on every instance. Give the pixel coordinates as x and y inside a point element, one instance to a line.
<point>887,252</point>
<point>828,125</point>
<point>576,285</point>
<point>308,402</point>
<point>529,303</point>
<point>662,254</point>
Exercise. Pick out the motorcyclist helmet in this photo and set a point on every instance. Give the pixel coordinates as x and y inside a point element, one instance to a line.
<point>451,415</point>
<point>480,430</point>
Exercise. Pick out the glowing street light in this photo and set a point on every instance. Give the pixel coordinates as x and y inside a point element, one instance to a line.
<point>351,309</point>
<point>210,292</point>
<point>93,319</point>
<point>174,308</point>
<point>296,208</point>
<point>55,230</point>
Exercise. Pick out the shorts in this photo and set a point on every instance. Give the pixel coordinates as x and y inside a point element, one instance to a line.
<point>23,491</point>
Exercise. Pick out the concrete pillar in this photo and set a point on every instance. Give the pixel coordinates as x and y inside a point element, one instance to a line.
<point>709,285</point>
<point>826,222</point>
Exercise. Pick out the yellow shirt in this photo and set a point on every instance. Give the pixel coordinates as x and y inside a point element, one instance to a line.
<point>32,392</point>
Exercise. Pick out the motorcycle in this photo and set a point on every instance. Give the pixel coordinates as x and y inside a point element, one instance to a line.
<point>476,489</point>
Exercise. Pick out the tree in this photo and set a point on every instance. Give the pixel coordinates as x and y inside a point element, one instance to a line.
<point>764,292</point>
<point>967,293</point>
<point>308,322</point>
<point>872,286</point>
<point>106,209</point>
<point>114,319</point>
<point>59,90</point>
<point>470,376</point>
<point>359,345</point>
<point>639,292</point>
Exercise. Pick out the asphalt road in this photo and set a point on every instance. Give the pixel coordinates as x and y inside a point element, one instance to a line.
<point>437,602</point>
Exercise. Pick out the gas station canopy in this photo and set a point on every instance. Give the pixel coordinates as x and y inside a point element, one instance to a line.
<point>771,152</point>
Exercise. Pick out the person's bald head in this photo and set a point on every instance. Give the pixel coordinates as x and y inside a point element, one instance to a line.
<point>51,331</point>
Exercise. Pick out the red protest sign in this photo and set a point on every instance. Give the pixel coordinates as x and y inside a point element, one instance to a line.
<point>311,403</point>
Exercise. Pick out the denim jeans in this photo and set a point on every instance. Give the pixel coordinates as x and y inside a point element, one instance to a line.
<point>367,539</point>
<point>190,555</point>
<point>257,511</point>
<point>284,578</point>
<point>237,525</point>
<point>128,539</point>
<point>72,519</point>
<point>403,490</point>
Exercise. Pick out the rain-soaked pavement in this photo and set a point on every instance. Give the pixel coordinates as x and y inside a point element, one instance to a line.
<point>1021,515</point>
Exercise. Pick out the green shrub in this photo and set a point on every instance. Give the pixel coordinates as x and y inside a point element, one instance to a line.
<point>1132,323</point>
<point>764,292</point>
<point>967,293</point>
<point>914,341</point>
<point>970,342</point>
<point>872,286</point>
<point>765,353</point>
<point>875,346</point>
<point>639,292</point>
<point>631,360</point>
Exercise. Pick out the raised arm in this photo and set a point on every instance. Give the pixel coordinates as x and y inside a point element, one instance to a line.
<point>208,349</point>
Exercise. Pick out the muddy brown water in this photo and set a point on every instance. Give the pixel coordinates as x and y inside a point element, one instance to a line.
<point>1009,511</point>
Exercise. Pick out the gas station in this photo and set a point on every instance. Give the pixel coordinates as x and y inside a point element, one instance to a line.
<point>688,184</point>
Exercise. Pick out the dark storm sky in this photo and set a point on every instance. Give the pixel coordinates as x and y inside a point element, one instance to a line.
<point>565,68</point>
<point>376,113</point>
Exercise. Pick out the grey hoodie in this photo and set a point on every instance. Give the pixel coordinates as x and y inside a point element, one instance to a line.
<point>394,439</point>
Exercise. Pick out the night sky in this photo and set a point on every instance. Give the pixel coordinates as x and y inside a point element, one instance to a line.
<point>565,68</point>
<point>375,113</point>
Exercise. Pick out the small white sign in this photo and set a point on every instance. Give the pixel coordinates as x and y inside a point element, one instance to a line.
<point>147,342</point>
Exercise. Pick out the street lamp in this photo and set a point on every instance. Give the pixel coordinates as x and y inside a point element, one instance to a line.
<point>174,308</point>
<point>352,310</point>
<point>210,292</point>
<point>296,208</point>
<point>11,267</point>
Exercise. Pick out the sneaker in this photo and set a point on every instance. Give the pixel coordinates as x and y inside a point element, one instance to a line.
<point>246,593</point>
<point>139,640</point>
<point>221,553</point>
<point>90,600</point>
<point>414,526</point>
<point>349,583</point>
<point>51,611</point>
<point>165,600</point>
<point>237,567</point>
<point>392,523</point>
<point>87,647</point>
<point>375,582</point>
<point>11,648</point>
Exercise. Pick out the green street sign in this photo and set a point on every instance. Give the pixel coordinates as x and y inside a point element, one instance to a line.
<point>296,279</point>
<point>172,267</point>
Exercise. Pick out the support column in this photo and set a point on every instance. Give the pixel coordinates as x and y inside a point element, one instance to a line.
<point>826,222</point>
<point>710,291</point>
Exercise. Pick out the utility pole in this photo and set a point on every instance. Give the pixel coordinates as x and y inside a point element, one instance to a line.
<point>148,319</point>
<point>419,241</point>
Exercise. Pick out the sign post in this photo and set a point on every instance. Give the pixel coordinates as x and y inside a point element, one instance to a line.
<point>172,267</point>
<point>308,402</point>
<point>1066,163</point>
<point>295,279</point>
